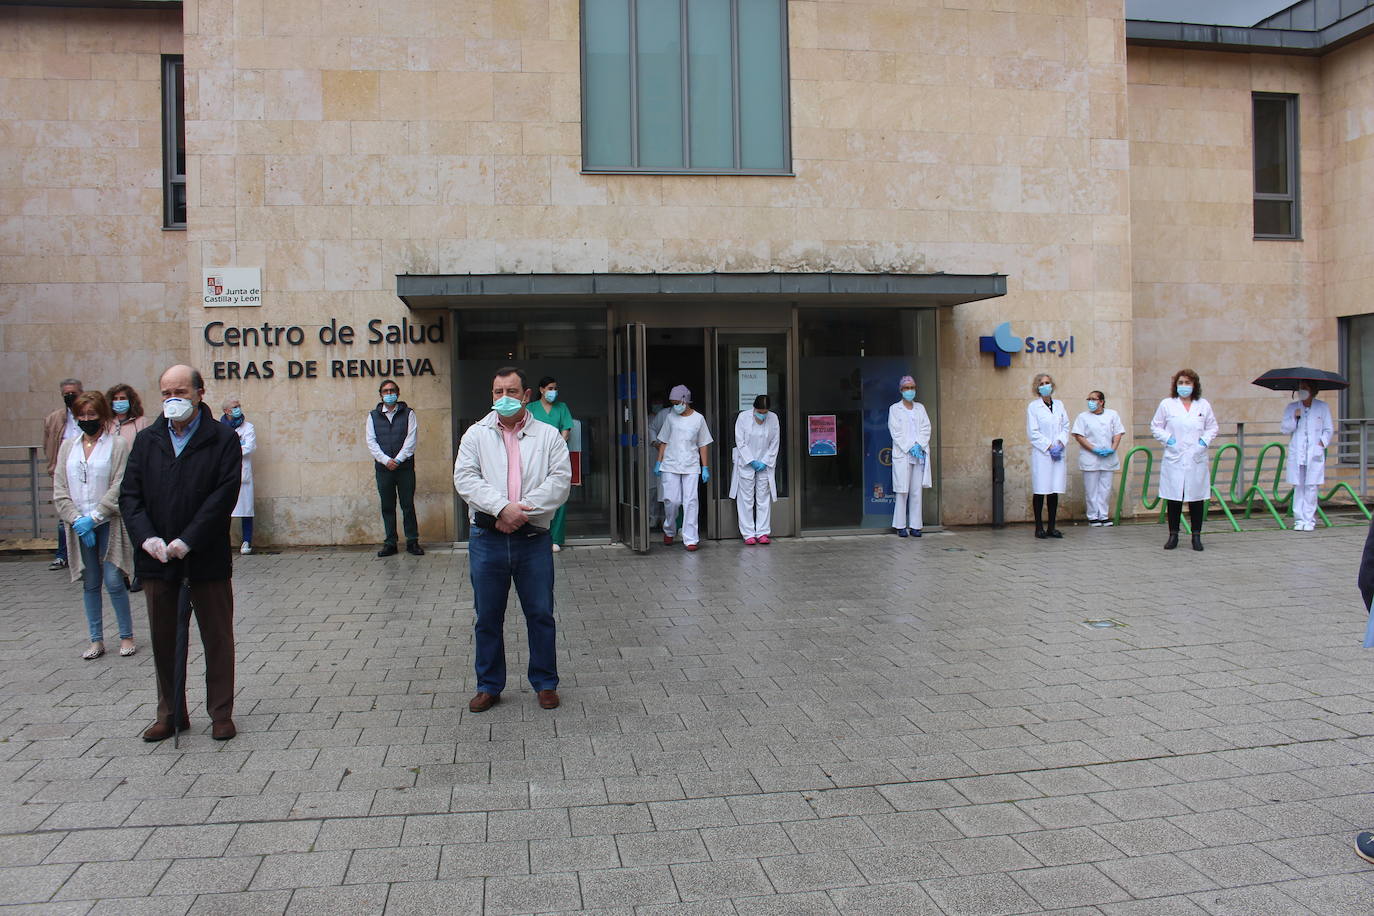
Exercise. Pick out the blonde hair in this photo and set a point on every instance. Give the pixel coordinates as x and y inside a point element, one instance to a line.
<point>1035,382</point>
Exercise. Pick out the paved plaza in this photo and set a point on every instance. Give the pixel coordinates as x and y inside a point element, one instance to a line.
<point>846,725</point>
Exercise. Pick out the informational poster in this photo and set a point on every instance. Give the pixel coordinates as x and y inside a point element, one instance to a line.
<point>821,437</point>
<point>226,287</point>
<point>753,357</point>
<point>752,383</point>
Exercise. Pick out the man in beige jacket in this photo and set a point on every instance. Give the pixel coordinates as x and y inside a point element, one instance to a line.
<point>58,427</point>
<point>513,472</point>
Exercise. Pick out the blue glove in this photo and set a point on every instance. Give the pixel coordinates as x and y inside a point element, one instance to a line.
<point>1104,452</point>
<point>1056,451</point>
<point>1172,441</point>
<point>1202,442</point>
<point>83,526</point>
<point>705,475</point>
<point>658,468</point>
<point>757,465</point>
<point>88,538</point>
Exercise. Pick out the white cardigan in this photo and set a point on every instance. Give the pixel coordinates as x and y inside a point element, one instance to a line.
<point>479,472</point>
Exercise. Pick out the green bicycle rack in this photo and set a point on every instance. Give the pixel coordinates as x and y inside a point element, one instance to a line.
<point>1287,499</point>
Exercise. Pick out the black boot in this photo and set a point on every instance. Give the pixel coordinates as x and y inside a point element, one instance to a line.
<point>1172,542</point>
<point>1040,532</point>
<point>1197,542</point>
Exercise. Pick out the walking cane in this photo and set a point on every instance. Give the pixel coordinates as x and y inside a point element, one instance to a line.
<point>179,662</point>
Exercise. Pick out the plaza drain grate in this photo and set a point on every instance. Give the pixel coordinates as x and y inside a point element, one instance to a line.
<point>1104,623</point>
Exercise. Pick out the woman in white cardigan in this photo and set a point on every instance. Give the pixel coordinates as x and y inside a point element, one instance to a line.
<point>86,482</point>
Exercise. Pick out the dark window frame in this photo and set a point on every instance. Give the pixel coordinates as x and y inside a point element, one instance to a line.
<point>633,77</point>
<point>173,137</point>
<point>1294,197</point>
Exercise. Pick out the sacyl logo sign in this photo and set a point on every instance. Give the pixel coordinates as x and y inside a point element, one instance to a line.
<point>1003,343</point>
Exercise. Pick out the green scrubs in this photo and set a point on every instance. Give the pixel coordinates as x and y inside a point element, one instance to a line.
<point>560,418</point>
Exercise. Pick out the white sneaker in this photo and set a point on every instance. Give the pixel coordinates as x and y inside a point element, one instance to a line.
<point>556,548</point>
<point>1106,523</point>
<point>1094,524</point>
<point>245,548</point>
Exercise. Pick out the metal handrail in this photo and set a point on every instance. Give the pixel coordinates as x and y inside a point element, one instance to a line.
<point>35,511</point>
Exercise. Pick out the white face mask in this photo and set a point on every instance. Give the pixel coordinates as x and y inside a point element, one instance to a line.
<point>177,409</point>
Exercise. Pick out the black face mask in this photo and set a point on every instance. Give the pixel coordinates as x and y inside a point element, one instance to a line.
<point>68,397</point>
<point>90,427</point>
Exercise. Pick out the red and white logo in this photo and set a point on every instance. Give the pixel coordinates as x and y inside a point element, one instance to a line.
<point>214,286</point>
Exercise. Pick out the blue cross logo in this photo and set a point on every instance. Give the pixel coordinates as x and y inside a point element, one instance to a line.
<point>1002,344</point>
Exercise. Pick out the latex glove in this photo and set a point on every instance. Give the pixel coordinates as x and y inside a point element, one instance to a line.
<point>156,548</point>
<point>757,465</point>
<point>1104,452</point>
<point>83,526</point>
<point>88,538</point>
<point>178,549</point>
<point>1202,442</point>
<point>705,475</point>
<point>1172,441</point>
<point>658,468</point>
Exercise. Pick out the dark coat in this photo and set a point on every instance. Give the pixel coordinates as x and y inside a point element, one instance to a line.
<point>1367,568</point>
<point>189,497</point>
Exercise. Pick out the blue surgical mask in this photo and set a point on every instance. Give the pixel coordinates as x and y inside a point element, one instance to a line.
<point>235,412</point>
<point>760,415</point>
<point>551,395</point>
<point>1093,405</point>
<point>120,405</point>
<point>507,406</point>
<point>909,394</point>
<point>679,408</point>
<point>389,399</point>
<point>1185,391</point>
<point>1045,390</point>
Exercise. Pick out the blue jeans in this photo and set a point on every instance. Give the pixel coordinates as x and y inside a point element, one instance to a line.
<point>495,559</point>
<point>92,572</point>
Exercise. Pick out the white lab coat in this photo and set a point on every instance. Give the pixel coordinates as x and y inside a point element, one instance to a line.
<point>1046,426</point>
<point>1310,435</point>
<point>248,443</point>
<point>908,427</point>
<point>756,441</point>
<point>1185,472</point>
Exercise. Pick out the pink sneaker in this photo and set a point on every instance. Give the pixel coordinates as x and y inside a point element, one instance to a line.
<point>763,539</point>
<point>751,541</point>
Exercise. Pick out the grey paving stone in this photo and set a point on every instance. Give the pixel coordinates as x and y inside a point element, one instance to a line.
<point>813,904</point>
<point>508,895</point>
<point>1155,876</point>
<point>247,904</point>
<point>569,854</point>
<point>813,871</point>
<point>443,829</point>
<point>476,860</point>
<point>360,832</point>
<point>720,880</point>
<point>639,886</point>
<point>985,895</point>
<point>897,899</point>
<point>32,883</point>
<point>219,875</point>
<point>101,845</point>
<point>300,869</point>
<point>385,866</point>
<point>1064,886</point>
<point>350,900</point>
<point>95,880</point>
<point>425,898</point>
<point>187,842</point>
<point>748,841</point>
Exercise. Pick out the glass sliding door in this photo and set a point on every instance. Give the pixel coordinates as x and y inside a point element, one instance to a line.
<point>747,364</point>
<point>849,364</point>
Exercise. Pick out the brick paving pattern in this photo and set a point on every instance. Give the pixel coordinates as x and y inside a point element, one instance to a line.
<point>848,725</point>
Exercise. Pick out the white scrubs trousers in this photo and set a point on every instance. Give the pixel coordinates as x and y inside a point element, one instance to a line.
<point>906,512</point>
<point>754,503</point>
<point>680,492</point>
<point>1097,492</point>
<point>1304,503</point>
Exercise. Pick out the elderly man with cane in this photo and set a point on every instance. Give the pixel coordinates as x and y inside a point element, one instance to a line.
<point>180,487</point>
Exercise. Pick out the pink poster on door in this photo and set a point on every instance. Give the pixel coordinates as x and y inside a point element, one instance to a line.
<point>820,436</point>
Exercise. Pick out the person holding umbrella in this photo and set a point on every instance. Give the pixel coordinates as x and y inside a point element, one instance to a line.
<point>1184,422</point>
<point>1310,428</point>
<point>179,489</point>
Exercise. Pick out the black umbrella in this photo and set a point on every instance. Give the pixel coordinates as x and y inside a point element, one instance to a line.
<point>1288,379</point>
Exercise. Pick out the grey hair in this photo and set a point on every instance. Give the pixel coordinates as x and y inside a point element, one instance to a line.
<point>1035,381</point>
<point>224,405</point>
<point>71,381</point>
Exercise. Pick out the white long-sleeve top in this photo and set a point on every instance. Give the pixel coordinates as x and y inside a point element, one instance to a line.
<point>755,441</point>
<point>1184,474</point>
<point>407,449</point>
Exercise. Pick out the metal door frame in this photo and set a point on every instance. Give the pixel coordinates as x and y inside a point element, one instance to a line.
<point>630,521</point>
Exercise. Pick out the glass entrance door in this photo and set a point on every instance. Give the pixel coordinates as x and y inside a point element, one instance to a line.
<point>746,364</point>
<point>632,500</point>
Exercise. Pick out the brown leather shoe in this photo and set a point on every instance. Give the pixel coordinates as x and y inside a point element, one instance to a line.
<point>223,731</point>
<point>548,699</point>
<point>161,730</point>
<point>483,701</point>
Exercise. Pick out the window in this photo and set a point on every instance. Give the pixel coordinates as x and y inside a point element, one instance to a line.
<point>1357,365</point>
<point>685,86</point>
<point>1276,166</point>
<point>173,143</point>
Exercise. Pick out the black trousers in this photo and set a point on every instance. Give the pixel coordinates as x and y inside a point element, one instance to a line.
<point>1195,514</point>
<point>213,604</point>
<point>393,485</point>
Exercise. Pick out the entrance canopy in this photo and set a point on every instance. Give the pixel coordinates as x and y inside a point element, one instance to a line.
<point>437,291</point>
